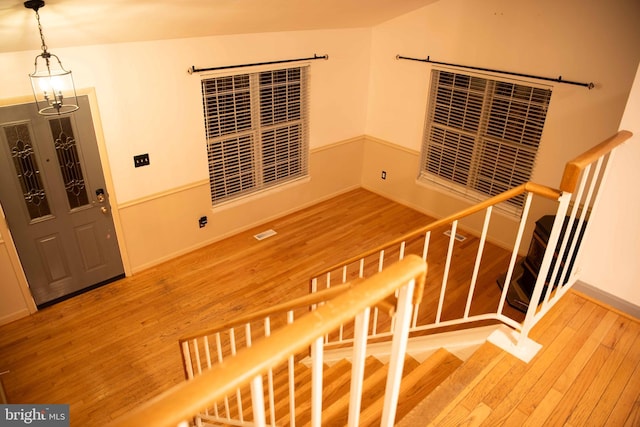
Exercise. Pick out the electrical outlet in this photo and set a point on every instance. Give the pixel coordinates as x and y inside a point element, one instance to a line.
<point>141,160</point>
<point>383,175</point>
<point>202,221</point>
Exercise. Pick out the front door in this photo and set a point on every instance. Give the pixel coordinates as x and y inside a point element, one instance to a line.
<point>53,192</point>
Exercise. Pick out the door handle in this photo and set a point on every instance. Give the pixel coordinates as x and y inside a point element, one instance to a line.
<point>104,210</point>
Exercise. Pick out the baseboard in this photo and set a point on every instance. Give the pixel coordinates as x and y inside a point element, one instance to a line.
<point>604,298</point>
<point>14,316</point>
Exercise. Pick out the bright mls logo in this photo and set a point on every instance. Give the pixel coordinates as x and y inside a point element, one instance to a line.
<point>34,415</point>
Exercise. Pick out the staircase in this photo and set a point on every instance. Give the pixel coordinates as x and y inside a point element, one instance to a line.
<point>233,381</point>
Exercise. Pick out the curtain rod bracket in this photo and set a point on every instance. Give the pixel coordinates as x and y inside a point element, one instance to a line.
<point>193,69</point>
<point>589,85</point>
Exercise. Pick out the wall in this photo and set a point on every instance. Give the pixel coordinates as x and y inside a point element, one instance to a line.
<point>612,251</point>
<point>579,40</point>
<point>149,103</point>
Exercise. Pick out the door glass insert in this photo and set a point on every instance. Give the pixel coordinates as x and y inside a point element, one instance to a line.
<point>69,161</point>
<point>27,169</point>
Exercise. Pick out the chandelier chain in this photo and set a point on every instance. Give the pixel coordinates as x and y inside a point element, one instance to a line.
<point>44,45</point>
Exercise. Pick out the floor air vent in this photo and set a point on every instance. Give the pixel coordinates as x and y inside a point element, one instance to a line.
<point>265,234</point>
<point>458,237</point>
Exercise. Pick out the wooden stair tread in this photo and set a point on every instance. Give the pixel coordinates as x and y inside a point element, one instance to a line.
<point>445,394</point>
<point>373,385</point>
<point>334,397</point>
<point>331,377</point>
<point>416,384</point>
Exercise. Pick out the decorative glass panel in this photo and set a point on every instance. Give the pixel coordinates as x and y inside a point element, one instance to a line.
<point>27,170</point>
<point>69,161</point>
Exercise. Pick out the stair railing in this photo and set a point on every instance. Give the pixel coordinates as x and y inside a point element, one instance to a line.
<point>204,397</point>
<point>581,182</point>
<point>577,195</point>
<point>204,349</point>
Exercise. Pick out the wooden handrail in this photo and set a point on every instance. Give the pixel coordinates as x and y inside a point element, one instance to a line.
<point>538,189</point>
<point>573,168</point>
<point>184,400</point>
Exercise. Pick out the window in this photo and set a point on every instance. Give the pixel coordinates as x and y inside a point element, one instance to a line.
<point>481,136</point>
<point>256,128</point>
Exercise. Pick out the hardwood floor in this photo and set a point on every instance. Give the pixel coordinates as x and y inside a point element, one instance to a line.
<point>110,349</point>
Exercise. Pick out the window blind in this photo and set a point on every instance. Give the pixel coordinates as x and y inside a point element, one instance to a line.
<point>257,131</point>
<point>481,135</point>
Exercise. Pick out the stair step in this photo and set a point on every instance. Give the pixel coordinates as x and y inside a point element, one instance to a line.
<point>373,386</point>
<point>333,376</point>
<point>302,375</point>
<point>416,384</point>
<point>431,408</point>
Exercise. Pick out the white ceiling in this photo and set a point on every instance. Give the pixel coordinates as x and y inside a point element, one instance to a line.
<point>86,22</point>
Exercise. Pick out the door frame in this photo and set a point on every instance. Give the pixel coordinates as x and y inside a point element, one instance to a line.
<point>5,233</point>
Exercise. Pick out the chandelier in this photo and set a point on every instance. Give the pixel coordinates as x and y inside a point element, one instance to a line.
<point>50,81</point>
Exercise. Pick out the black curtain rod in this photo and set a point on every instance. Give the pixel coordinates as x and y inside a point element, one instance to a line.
<point>558,80</point>
<point>193,69</point>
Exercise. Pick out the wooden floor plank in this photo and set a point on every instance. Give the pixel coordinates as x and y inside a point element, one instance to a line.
<point>542,411</point>
<point>622,339</point>
<point>575,367</point>
<point>453,418</point>
<point>622,377</point>
<point>448,394</point>
<point>476,370</point>
<point>476,417</point>
<point>486,384</point>
<point>634,416</point>
<point>572,312</point>
<point>552,325</point>
<point>516,418</point>
<point>523,384</point>
<point>574,393</point>
<point>563,358</point>
<point>629,397</point>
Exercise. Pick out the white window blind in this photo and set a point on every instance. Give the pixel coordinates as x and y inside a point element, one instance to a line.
<point>257,129</point>
<point>481,136</point>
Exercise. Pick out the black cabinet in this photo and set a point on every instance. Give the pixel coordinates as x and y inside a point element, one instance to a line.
<point>525,273</point>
